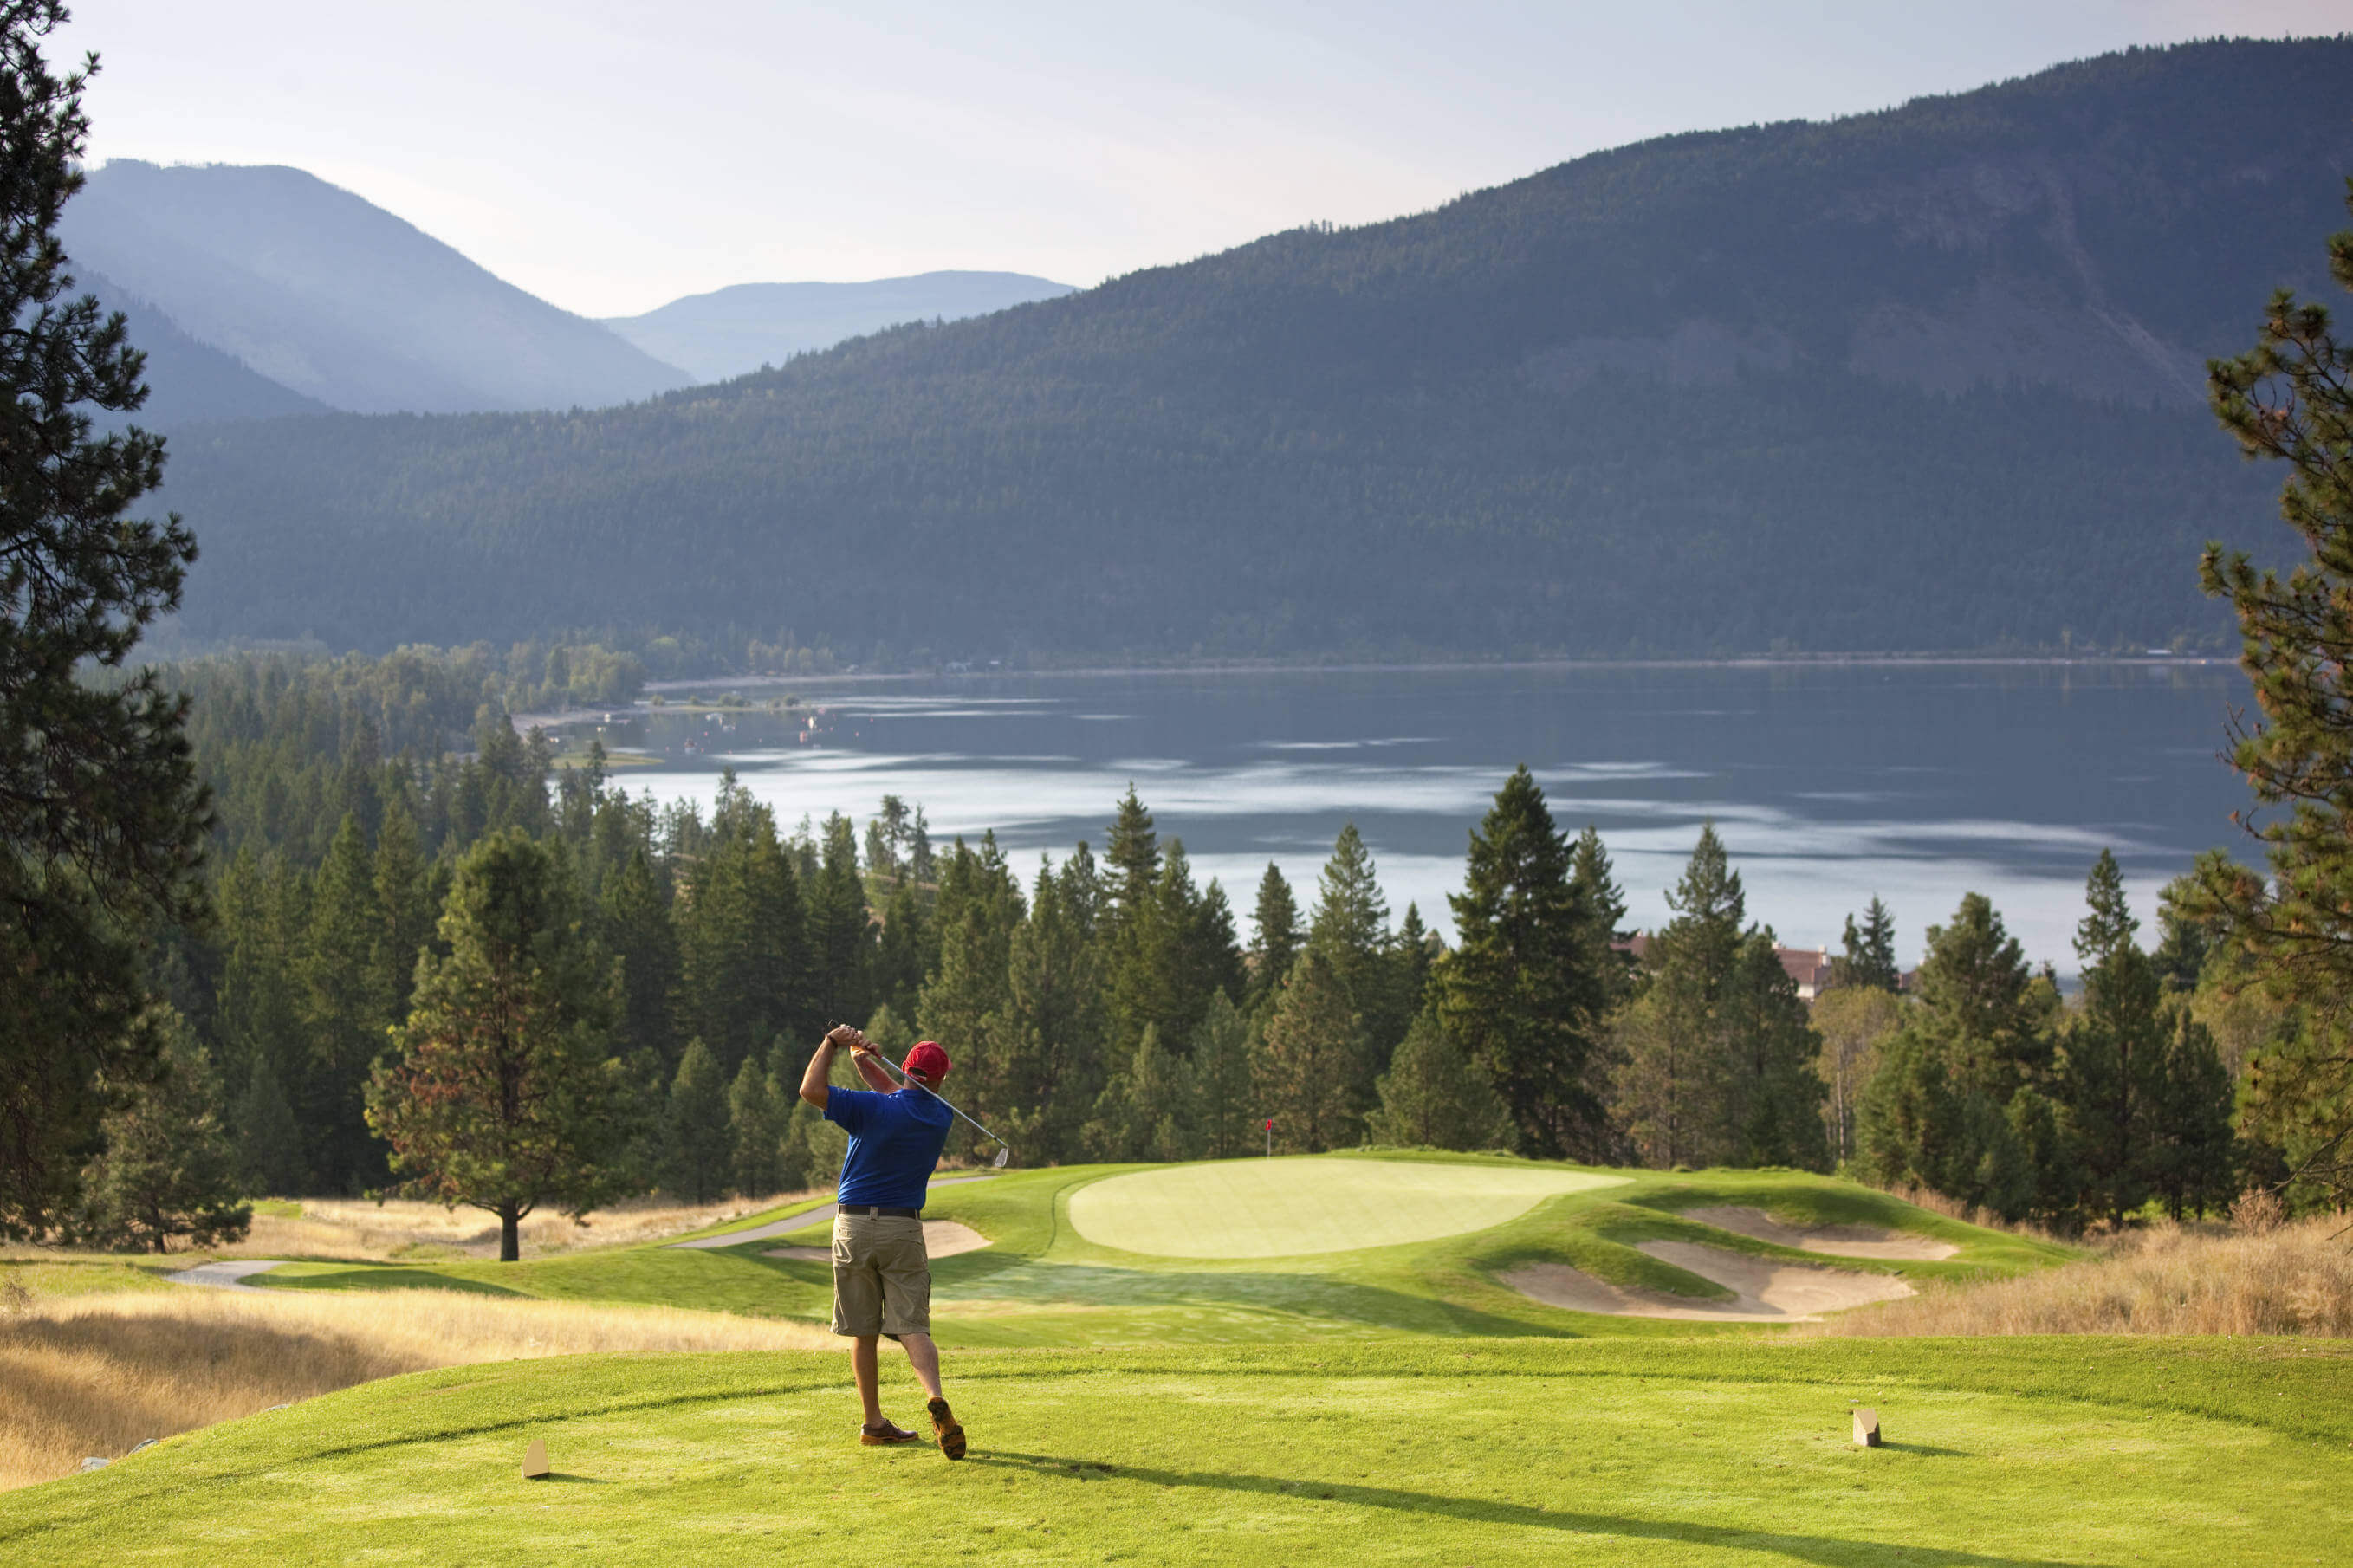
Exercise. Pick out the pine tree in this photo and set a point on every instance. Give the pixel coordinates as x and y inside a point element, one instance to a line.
<point>1313,1046</point>
<point>2191,1154</point>
<point>102,817</point>
<point>344,1015</point>
<point>696,1145</point>
<point>743,942</point>
<point>2290,398</point>
<point>1275,920</point>
<point>841,932</point>
<point>1523,991</point>
<point>1773,1098</point>
<point>1145,1110</point>
<point>900,955</point>
<point>635,917</point>
<point>505,1094</point>
<point>269,1143</point>
<point>169,1166</point>
<point>1220,1074</point>
<point>1434,1097</point>
<point>2115,1051</point>
<point>1870,950</point>
<point>1351,926</point>
<point>756,1129</point>
<point>405,904</point>
<point>1131,857</point>
<point>1049,1055</point>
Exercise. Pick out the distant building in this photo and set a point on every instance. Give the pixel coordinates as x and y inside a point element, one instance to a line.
<point>1812,969</point>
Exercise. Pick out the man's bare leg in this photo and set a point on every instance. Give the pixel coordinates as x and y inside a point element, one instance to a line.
<point>925,1357</point>
<point>864,1366</point>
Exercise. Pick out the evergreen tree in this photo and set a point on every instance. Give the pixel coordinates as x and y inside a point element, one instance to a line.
<point>1675,1043</point>
<point>1145,1110</point>
<point>1218,1074</point>
<point>696,1146</point>
<point>268,1142</point>
<point>405,905</point>
<point>169,1166</point>
<point>2290,398</point>
<point>1434,1097</point>
<point>2115,1062</point>
<point>1351,925</point>
<point>263,913</point>
<point>1410,953</point>
<point>1307,1067</point>
<point>635,910</point>
<point>1942,1111</point>
<point>505,1094</point>
<point>841,932</point>
<point>963,1005</point>
<point>101,818</point>
<point>1275,920</point>
<point>1131,857</point>
<point>2191,1150</point>
<point>743,942</point>
<point>1049,1055</point>
<point>756,1129</point>
<point>900,955</point>
<point>344,1015</point>
<point>1870,950</point>
<point>1523,992</point>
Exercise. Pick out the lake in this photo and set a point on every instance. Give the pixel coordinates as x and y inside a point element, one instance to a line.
<point>1829,783</point>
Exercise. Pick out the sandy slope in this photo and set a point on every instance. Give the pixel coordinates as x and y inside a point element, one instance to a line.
<point>1837,1240</point>
<point>1764,1292</point>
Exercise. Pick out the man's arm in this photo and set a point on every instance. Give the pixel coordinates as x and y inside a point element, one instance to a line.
<point>820,1067</point>
<point>861,1057</point>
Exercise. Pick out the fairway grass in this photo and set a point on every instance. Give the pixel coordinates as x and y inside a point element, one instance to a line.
<point>1292,1208</point>
<point>1719,1452</point>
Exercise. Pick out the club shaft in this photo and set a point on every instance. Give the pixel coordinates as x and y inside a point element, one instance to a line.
<point>935,1094</point>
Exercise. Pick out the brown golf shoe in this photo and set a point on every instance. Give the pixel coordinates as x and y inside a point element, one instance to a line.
<point>945,1428</point>
<point>885,1436</point>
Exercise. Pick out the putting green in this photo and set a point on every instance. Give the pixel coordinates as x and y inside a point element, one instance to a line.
<point>1283,1208</point>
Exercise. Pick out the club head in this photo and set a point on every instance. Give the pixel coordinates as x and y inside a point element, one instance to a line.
<point>1003,1154</point>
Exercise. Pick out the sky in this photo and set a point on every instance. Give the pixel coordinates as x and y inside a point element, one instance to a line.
<point>611,155</point>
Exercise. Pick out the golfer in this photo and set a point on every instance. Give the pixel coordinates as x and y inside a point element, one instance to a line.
<point>881,1275</point>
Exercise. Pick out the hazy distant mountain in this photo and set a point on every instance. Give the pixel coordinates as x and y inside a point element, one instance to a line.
<point>187,381</point>
<point>1919,379</point>
<point>316,289</point>
<point>734,331</point>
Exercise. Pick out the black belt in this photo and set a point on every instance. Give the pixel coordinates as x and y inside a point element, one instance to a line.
<point>879,1211</point>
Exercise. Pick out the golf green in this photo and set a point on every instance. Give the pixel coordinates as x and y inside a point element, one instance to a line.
<point>1288,1208</point>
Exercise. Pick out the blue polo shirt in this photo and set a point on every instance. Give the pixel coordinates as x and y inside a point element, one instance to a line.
<point>894,1142</point>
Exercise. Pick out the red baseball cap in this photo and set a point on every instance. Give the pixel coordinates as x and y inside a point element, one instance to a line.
<point>927,1062</point>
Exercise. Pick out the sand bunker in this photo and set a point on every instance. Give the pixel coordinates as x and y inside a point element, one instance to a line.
<point>1763,1291</point>
<point>941,1238</point>
<point>1836,1240</point>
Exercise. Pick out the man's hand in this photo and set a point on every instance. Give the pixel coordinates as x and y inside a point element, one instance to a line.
<point>843,1035</point>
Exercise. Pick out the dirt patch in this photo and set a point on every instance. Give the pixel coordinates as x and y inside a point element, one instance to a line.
<point>941,1238</point>
<point>1763,1291</point>
<point>1834,1240</point>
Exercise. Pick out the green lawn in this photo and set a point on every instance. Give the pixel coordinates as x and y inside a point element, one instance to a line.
<point>1043,1283</point>
<point>1727,1450</point>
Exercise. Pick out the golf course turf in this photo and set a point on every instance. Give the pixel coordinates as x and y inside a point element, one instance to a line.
<point>2001,1453</point>
<point>1392,1402</point>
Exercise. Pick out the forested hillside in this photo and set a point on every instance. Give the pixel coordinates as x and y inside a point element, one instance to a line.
<point>1921,379</point>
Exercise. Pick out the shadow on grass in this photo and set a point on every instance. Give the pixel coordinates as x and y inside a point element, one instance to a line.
<point>1302,1295</point>
<point>1824,1549</point>
<point>388,1279</point>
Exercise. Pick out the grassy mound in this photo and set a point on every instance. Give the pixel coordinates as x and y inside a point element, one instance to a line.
<point>1044,1282</point>
<point>1266,1208</point>
<point>2001,1454</point>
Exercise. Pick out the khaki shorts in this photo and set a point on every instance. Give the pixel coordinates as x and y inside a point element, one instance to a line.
<point>881,1275</point>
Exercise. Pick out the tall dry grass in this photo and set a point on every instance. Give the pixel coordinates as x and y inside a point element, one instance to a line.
<point>94,1375</point>
<point>2293,1279</point>
<point>395,1228</point>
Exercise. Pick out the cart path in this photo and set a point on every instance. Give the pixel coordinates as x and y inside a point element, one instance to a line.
<point>789,1223</point>
<point>227,1274</point>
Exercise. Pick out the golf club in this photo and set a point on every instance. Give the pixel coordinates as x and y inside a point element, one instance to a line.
<point>1004,1150</point>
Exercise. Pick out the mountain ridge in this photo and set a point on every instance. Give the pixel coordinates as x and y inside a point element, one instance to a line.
<point>1919,379</point>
